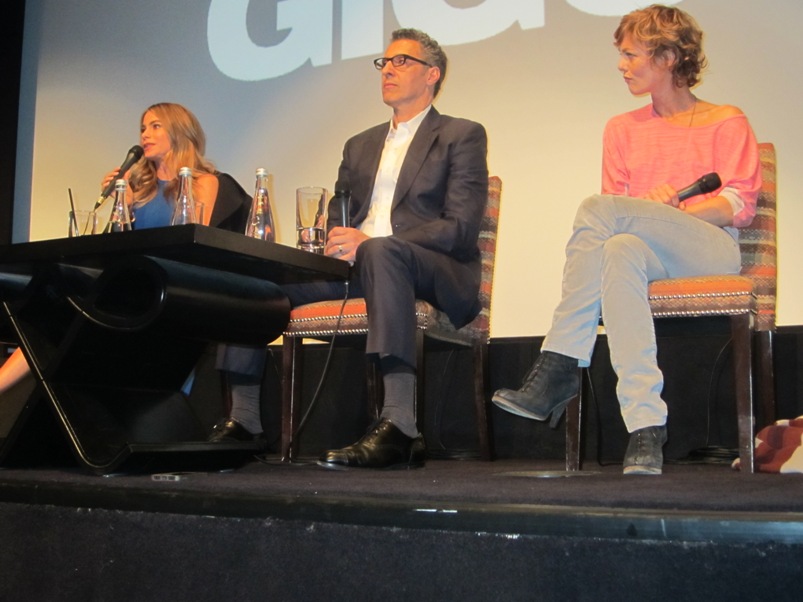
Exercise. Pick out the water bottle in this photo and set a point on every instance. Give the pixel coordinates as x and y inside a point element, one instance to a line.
<point>184,211</point>
<point>120,220</point>
<point>260,218</point>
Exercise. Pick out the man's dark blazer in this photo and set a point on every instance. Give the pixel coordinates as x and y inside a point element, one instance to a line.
<point>442,188</point>
<point>438,207</point>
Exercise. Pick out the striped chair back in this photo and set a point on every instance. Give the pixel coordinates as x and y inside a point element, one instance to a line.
<point>758,243</point>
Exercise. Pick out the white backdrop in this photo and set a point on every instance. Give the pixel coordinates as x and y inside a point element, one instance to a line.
<point>281,84</point>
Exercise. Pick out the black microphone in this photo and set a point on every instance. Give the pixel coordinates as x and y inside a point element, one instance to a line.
<point>341,200</point>
<point>134,155</point>
<point>708,183</point>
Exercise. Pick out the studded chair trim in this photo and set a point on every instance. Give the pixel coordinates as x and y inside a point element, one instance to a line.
<point>321,319</point>
<point>754,291</point>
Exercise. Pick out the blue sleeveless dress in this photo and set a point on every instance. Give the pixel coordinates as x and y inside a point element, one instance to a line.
<point>155,213</point>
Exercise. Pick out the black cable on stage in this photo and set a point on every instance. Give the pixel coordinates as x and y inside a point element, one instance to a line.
<point>324,372</point>
<point>325,367</point>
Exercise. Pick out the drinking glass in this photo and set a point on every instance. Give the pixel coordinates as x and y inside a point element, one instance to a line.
<point>311,218</point>
<point>82,222</point>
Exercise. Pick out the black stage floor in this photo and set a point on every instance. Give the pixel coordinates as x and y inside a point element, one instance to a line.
<point>687,503</point>
<point>455,530</point>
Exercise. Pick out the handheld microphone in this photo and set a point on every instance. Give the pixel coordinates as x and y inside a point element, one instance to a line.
<point>341,201</point>
<point>708,183</point>
<point>134,155</point>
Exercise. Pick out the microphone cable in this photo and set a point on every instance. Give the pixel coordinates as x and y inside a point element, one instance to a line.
<point>708,454</point>
<point>321,380</point>
<point>316,395</point>
<point>712,454</point>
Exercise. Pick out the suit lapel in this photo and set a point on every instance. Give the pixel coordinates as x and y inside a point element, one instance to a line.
<point>419,148</point>
<point>373,146</point>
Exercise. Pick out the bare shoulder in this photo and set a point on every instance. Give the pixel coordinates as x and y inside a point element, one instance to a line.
<point>207,185</point>
<point>206,188</point>
<point>708,113</point>
<point>726,111</point>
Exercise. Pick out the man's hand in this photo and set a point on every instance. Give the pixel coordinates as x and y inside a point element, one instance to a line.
<point>342,243</point>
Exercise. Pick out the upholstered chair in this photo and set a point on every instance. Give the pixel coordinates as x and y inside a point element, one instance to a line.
<point>748,299</point>
<point>322,320</point>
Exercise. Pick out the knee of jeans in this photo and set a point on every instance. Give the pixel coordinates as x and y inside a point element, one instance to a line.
<point>623,248</point>
<point>589,206</point>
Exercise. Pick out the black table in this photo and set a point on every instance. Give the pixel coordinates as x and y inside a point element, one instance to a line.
<point>112,324</point>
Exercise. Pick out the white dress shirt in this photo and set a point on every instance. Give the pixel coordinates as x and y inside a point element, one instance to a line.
<point>397,142</point>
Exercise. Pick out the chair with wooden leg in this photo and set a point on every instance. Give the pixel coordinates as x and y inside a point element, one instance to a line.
<point>748,299</point>
<point>322,320</point>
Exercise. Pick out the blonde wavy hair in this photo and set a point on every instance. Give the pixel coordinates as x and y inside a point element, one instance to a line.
<point>187,148</point>
<point>667,31</point>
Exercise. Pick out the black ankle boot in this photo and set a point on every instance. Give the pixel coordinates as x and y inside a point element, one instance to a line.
<point>645,451</point>
<point>550,384</point>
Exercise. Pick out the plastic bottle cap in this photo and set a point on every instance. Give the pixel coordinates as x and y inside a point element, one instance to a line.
<point>121,183</point>
<point>185,171</point>
<point>262,172</point>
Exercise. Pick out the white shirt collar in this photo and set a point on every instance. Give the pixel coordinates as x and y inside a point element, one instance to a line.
<point>411,125</point>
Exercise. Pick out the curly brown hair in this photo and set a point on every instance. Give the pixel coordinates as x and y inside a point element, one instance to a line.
<point>667,32</point>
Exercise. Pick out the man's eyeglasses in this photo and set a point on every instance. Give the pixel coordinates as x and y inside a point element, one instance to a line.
<point>400,60</point>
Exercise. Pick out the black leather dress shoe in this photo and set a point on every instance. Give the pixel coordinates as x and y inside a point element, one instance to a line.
<point>384,446</point>
<point>230,431</point>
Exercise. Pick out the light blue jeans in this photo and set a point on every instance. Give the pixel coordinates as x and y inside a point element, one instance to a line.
<point>620,244</point>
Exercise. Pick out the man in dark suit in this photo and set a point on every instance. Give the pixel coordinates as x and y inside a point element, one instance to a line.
<point>418,185</point>
<point>418,192</point>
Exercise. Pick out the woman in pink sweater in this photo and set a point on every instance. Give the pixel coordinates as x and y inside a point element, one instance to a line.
<point>639,230</point>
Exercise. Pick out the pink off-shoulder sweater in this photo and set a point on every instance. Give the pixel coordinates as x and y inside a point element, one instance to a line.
<point>641,151</point>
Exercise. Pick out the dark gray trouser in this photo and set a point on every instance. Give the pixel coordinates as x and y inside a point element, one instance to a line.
<point>391,274</point>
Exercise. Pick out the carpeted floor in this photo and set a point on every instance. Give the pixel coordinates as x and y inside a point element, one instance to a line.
<point>709,488</point>
<point>454,530</point>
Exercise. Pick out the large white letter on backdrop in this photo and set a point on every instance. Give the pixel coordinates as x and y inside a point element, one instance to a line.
<point>309,25</point>
<point>236,55</point>
<point>362,32</point>
<point>450,25</point>
<point>609,8</point>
